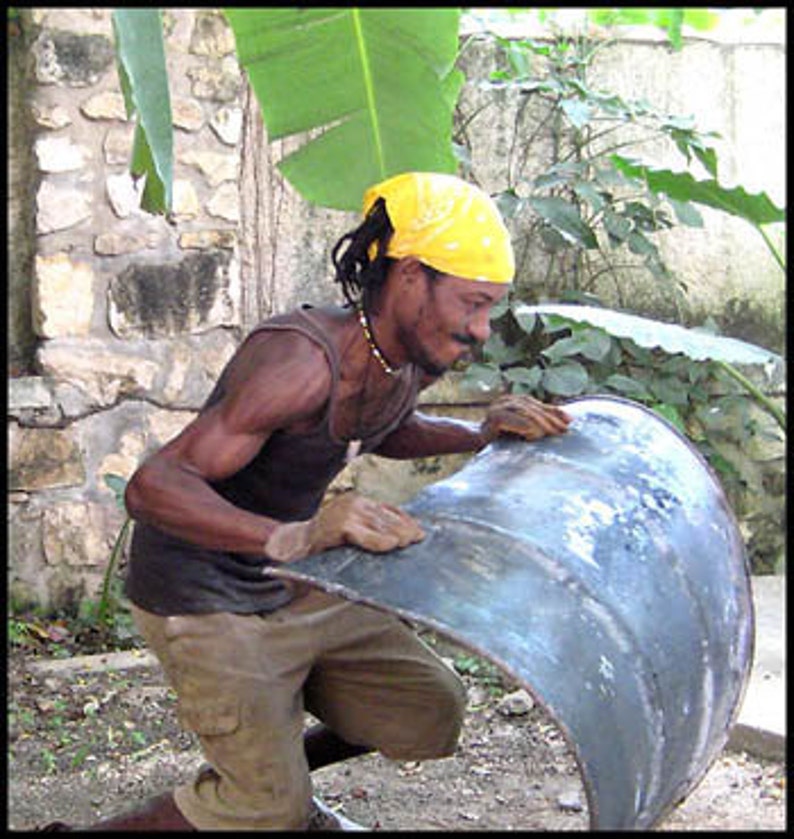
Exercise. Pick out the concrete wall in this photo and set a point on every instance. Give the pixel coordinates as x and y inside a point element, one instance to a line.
<point>120,321</point>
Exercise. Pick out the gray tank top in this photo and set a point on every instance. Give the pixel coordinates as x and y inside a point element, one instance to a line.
<point>286,480</point>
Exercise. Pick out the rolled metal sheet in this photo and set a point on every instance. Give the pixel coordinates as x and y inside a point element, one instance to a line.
<point>604,570</point>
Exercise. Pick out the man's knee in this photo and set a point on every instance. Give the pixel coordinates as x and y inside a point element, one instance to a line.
<point>432,730</point>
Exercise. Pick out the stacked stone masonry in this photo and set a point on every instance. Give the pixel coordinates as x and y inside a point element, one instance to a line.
<point>134,315</point>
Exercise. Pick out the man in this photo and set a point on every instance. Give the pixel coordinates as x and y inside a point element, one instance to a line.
<point>241,488</point>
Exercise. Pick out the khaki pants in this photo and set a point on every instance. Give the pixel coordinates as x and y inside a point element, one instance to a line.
<point>243,682</point>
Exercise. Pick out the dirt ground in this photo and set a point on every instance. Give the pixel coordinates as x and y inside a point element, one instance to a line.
<point>86,745</point>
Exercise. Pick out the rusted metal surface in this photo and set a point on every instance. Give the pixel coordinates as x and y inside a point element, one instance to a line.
<point>604,570</point>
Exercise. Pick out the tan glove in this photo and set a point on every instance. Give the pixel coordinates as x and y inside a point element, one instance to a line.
<point>524,416</point>
<point>347,519</point>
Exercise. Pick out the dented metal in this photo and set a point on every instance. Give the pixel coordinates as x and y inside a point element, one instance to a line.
<point>605,571</point>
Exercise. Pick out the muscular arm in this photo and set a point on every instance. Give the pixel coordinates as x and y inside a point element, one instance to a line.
<point>422,435</point>
<point>275,381</point>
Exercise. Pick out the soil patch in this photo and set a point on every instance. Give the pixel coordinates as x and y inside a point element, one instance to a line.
<point>89,743</point>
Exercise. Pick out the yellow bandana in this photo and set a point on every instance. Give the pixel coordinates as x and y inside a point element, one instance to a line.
<point>448,224</point>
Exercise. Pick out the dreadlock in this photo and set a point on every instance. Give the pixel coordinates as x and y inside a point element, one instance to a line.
<point>360,276</point>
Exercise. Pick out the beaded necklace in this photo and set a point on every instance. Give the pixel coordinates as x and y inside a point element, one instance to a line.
<point>374,348</point>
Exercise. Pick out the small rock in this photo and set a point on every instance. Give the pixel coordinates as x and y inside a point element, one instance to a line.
<point>45,705</point>
<point>478,696</point>
<point>570,802</point>
<point>515,704</point>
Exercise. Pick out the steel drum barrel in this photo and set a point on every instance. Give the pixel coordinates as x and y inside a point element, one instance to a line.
<point>604,570</point>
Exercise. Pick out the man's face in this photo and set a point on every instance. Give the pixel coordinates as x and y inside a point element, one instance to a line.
<point>451,317</point>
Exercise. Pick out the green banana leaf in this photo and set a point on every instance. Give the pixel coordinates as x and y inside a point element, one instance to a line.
<point>378,85</point>
<point>681,186</point>
<point>670,337</point>
<point>144,83</point>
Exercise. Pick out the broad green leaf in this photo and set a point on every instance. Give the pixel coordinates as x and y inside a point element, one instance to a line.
<point>686,213</point>
<point>651,333</point>
<point>564,217</point>
<point>617,226</point>
<point>498,352</point>
<point>669,389</point>
<point>378,85</point>
<point>627,386</point>
<point>528,321</point>
<point>587,192</point>
<point>144,83</point>
<point>671,414</point>
<point>485,377</point>
<point>568,379</point>
<point>522,379</point>
<point>593,344</point>
<point>578,112</point>
<point>681,186</point>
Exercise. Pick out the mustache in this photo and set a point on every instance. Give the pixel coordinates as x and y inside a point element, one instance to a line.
<point>467,340</point>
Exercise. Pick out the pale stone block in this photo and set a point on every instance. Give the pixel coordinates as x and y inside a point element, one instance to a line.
<point>177,373</point>
<point>217,83</point>
<point>211,35</point>
<point>31,402</point>
<point>26,392</point>
<point>185,201</point>
<point>63,296</point>
<point>59,208</point>
<point>187,114</point>
<point>165,425</point>
<point>59,154</point>
<point>124,461</point>
<point>225,203</point>
<point>79,534</point>
<point>116,464</point>
<point>117,244</point>
<point>52,117</point>
<point>124,194</point>
<point>105,105</point>
<point>118,145</point>
<point>101,371</point>
<point>208,239</point>
<point>215,167</point>
<point>43,458</point>
<point>227,123</point>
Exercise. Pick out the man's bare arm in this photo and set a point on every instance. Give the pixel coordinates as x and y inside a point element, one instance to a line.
<point>422,435</point>
<point>272,384</point>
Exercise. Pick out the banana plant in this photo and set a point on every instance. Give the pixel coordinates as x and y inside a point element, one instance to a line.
<point>140,58</point>
<point>369,92</point>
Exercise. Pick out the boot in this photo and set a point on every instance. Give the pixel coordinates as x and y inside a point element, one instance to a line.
<point>158,814</point>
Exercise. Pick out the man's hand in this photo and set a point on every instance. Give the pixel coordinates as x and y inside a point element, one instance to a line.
<point>352,519</point>
<point>348,519</point>
<point>525,417</point>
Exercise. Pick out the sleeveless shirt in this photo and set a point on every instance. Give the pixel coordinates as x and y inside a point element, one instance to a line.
<point>285,480</point>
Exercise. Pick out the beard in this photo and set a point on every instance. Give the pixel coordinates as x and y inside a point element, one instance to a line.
<point>432,366</point>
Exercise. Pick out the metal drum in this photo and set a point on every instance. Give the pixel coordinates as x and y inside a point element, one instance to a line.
<point>604,570</point>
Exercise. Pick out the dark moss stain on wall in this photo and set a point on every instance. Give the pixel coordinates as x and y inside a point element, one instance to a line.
<point>169,299</point>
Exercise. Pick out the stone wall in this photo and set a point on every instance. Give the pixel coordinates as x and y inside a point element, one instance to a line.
<point>134,315</point>
<point>130,317</point>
